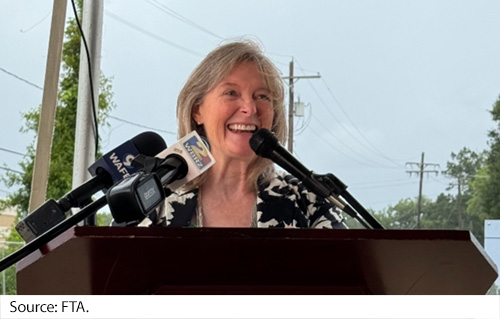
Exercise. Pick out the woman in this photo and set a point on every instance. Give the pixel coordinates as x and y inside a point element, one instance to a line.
<point>232,93</point>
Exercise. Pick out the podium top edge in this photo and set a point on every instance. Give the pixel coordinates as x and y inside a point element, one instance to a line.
<point>274,233</point>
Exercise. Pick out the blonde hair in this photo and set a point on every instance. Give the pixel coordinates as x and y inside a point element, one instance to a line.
<point>211,71</point>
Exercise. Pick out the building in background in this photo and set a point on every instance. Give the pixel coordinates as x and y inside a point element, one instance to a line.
<point>7,220</point>
<point>492,241</point>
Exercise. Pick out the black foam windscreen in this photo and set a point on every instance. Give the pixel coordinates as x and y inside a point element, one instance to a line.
<point>149,143</point>
<point>263,142</point>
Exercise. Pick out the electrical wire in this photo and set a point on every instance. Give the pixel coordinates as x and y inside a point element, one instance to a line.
<point>140,125</point>
<point>94,112</point>
<point>327,142</point>
<point>366,161</point>
<point>20,78</point>
<point>397,183</point>
<point>181,18</point>
<point>36,24</point>
<point>338,121</point>
<point>302,125</point>
<point>151,35</point>
<point>11,151</point>
<point>371,148</point>
<point>11,170</point>
<point>377,151</point>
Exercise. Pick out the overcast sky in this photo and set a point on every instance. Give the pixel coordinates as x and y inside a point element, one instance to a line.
<point>398,78</point>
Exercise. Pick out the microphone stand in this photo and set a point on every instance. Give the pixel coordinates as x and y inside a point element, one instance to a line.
<point>338,188</point>
<point>52,233</point>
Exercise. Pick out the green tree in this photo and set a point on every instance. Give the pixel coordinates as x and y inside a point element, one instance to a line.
<point>10,273</point>
<point>485,186</point>
<point>438,214</point>
<point>60,174</point>
<point>435,214</point>
<point>403,215</point>
<point>462,169</point>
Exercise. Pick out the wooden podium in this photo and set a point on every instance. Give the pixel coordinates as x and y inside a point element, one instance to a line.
<point>113,260</point>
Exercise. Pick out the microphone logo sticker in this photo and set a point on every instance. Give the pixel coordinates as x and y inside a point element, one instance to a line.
<point>150,193</point>
<point>197,151</point>
<point>119,165</point>
<point>128,160</point>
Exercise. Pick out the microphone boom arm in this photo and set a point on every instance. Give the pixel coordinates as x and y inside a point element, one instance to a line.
<point>337,188</point>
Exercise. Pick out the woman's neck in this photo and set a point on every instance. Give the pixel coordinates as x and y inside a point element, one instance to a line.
<point>225,197</point>
<point>228,177</point>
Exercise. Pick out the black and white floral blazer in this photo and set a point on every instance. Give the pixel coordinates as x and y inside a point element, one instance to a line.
<point>284,202</point>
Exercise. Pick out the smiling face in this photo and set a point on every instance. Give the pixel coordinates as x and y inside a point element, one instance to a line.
<point>234,109</point>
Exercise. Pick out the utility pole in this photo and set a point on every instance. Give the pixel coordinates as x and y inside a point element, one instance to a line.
<point>421,170</point>
<point>85,130</point>
<point>291,79</point>
<point>48,110</point>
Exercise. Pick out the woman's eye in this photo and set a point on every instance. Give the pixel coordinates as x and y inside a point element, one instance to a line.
<point>264,97</point>
<point>230,93</point>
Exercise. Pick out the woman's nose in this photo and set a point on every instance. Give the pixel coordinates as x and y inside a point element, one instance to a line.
<point>249,105</point>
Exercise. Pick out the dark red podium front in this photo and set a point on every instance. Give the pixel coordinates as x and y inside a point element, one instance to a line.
<point>113,260</point>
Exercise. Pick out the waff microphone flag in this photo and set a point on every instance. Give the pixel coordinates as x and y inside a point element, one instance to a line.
<point>118,162</point>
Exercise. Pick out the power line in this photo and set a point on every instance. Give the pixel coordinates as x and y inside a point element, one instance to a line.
<point>377,151</point>
<point>11,170</point>
<point>181,18</point>
<point>336,149</point>
<point>336,119</point>
<point>20,78</point>
<point>36,24</point>
<point>381,183</point>
<point>366,161</point>
<point>140,125</point>
<point>11,151</point>
<point>150,34</point>
<point>367,142</point>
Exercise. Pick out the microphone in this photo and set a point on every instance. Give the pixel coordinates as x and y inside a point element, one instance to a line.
<point>113,167</point>
<point>265,144</point>
<point>134,198</point>
<point>110,168</point>
<point>195,151</point>
<point>118,162</point>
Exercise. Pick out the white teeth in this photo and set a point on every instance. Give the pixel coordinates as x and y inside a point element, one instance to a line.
<point>242,127</point>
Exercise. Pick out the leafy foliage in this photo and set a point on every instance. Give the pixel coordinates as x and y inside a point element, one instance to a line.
<point>9,274</point>
<point>485,197</point>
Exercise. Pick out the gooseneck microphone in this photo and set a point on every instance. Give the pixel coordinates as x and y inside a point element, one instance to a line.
<point>265,144</point>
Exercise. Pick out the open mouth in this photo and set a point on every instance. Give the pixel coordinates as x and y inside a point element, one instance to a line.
<point>242,128</point>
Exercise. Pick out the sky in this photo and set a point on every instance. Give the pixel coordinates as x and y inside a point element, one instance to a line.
<point>397,78</point>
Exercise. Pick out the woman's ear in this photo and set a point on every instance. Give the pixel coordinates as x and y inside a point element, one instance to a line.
<point>197,115</point>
